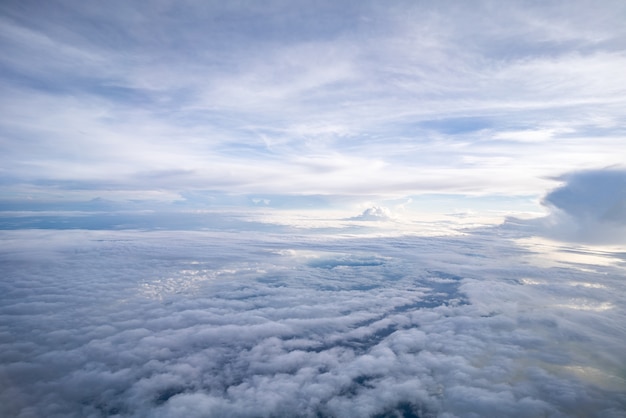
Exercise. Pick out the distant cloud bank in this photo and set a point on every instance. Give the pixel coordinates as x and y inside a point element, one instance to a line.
<point>589,207</point>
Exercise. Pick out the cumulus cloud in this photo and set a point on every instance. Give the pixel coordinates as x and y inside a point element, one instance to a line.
<point>375,213</point>
<point>597,196</point>
<point>590,206</point>
<point>194,324</point>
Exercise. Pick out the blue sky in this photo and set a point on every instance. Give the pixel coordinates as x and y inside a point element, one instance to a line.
<point>206,103</point>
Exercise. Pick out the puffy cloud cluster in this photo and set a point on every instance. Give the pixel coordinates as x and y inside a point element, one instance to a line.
<point>375,213</point>
<point>589,207</point>
<point>196,324</point>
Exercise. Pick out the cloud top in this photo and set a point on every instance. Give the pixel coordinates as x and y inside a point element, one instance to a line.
<point>590,206</point>
<point>375,213</point>
<point>593,196</point>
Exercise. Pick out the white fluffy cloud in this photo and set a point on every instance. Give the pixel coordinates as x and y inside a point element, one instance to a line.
<point>375,213</point>
<point>194,324</point>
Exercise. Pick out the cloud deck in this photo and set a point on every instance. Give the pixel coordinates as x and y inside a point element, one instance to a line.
<point>161,324</point>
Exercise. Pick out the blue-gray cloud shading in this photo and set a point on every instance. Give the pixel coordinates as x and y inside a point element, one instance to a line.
<point>457,125</point>
<point>195,324</point>
<point>590,206</point>
<point>598,196</point>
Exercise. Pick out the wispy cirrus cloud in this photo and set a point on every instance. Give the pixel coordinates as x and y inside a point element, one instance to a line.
<point>410,98</point>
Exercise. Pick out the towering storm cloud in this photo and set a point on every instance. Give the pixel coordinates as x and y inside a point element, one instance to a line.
<point>590,206</point>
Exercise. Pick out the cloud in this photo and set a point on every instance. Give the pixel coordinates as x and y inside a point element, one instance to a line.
<point>375,213</point>
<point>396,100</point>
<point>270,323</point>
<point>590,207</point>
<point>596,196</point>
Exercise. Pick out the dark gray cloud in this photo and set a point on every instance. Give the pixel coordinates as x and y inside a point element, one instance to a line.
<point>590,206</point>
<point>595,196</point>
<point>196,324</point>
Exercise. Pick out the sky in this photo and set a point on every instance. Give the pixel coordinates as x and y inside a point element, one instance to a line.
<point>323,209</point>
<point>434,106</point>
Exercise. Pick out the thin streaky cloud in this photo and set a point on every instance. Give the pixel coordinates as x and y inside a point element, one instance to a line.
<point>407,96</point>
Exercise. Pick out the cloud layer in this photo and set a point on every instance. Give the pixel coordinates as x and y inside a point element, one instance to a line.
<point>193,324</point>
<point>160,100</point>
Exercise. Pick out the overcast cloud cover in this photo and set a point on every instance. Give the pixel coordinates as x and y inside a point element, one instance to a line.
<point>195,102</point>
<point>312,209</point>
